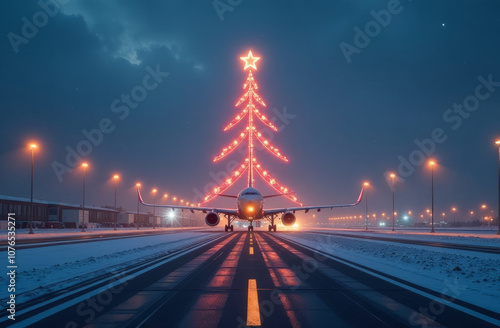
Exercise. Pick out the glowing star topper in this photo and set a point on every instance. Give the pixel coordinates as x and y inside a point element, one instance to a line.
<point>250,61</point>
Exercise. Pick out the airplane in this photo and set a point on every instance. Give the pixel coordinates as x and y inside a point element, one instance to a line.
<point>250,207</point>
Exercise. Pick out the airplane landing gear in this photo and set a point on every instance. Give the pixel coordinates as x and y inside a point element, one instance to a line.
<point>250,228</point>
<point>272,226</point>
<point>229,226</point>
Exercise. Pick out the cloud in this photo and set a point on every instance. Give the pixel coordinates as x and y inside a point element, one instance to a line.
<point>122,28</point>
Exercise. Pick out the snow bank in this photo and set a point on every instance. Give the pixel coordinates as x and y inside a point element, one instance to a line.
<point>45,269</point>
<point>467,237</point>
<point>22,234</point>
<point>477,275</point>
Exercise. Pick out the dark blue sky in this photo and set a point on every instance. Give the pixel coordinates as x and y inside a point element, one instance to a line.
<point>356,117</point>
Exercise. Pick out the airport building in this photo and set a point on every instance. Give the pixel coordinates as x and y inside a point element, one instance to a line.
<point>47,214</point>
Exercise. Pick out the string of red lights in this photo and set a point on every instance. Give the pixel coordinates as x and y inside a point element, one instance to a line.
<point>250,132</point>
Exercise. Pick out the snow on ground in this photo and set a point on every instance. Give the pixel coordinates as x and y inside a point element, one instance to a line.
<point>22,234</point>
<point>479,237</point>
<point>475,276</point>
<point>45,269</point>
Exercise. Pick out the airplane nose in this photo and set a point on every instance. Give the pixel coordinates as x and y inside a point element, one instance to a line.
<point>251,208</point>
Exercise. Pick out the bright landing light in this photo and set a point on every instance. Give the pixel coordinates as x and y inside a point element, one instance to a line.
<point>171,215</point>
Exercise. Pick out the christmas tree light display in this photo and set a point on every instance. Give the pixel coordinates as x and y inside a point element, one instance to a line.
<point>250,133</point>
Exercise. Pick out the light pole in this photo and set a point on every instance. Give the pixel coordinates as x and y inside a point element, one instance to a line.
<point>393,176</point>
<point>138,185</point>
<point>432,164</point>
<point>483,207</point>
<point>84,166</point>
<point>454,210</point>
<point>154,207</point>
<point>498,217</point>
<point>115,180</point>
<point>165,196</point>
<point>33,147</point>
<point>366,185</point>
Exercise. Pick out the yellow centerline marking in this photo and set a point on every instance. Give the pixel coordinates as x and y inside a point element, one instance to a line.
<point>253,313</point>
<point>251,250</point>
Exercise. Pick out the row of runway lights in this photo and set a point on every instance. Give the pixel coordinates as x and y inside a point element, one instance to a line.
<point>409,215</point>
<point>430,212</point>
<point>115,178</point>
<point>154,191</point>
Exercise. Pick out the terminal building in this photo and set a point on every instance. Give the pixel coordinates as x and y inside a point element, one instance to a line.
<point>47,214</point>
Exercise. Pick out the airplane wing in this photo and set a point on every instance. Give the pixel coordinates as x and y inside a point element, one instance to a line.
<point>308,208</point>
<point>188,208</point>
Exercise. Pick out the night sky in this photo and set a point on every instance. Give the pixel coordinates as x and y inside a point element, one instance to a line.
<point>359,100</point>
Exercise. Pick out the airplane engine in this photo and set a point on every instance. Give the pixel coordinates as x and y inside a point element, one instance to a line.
<point>212,219</point>
<point>288,218</point>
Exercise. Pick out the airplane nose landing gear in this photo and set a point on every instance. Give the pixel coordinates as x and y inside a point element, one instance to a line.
<point>250,227</point>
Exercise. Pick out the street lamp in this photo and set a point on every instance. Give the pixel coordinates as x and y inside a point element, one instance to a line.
<point>432,164</point>
<point>393,192</point>
<point>483,207</point>
<point>454,210</point>
<point>84,166</point>
<point>165,196</point>
<point>498,144</point>
<point>138,186</point>
<point>366,185</point>
<point>115,180</point>
<point>33,147</point>
<point>154,207</point>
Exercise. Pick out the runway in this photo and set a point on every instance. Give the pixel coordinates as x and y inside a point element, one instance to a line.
<point>252,279</point>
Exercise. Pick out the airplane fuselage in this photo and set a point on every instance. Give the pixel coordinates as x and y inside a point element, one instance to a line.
<point>250,204</point>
